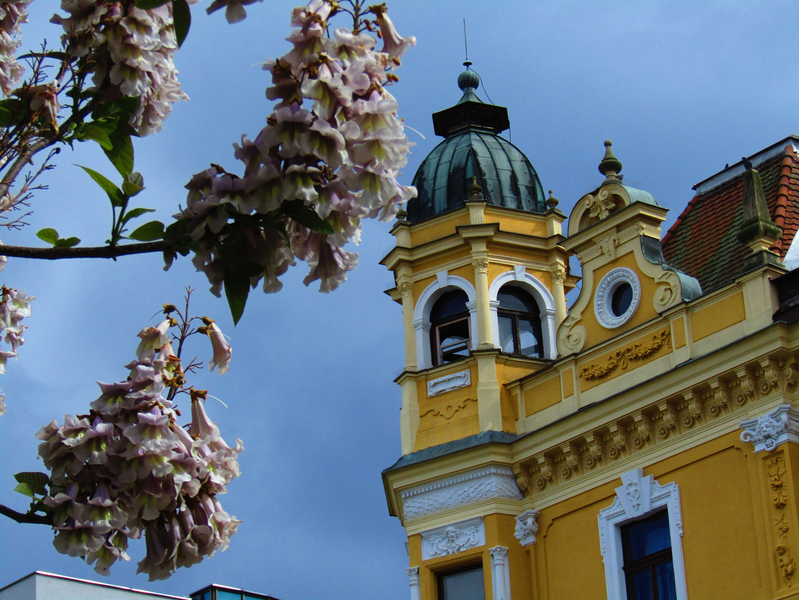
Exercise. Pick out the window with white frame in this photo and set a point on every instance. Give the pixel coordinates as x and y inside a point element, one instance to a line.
<point>641,540</point>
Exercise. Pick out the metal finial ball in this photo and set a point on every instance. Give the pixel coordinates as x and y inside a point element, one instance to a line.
<point>468,79</point>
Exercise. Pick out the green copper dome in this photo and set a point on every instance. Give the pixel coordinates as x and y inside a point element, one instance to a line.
<point>473,148</point>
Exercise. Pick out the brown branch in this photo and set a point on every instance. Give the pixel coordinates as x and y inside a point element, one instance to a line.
<point>24,518</point>
<point>88,252</point>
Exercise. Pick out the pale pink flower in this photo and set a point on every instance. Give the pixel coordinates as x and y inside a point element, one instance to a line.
<point>222,350</point>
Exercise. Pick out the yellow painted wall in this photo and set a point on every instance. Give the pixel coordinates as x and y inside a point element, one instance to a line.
<point>717,316</point>
<point>722,514</point>
<point>441,260</point>
<point>516,223</point>
<point>448,416</point>
<point>438,228</point>
<point>542,395</point>
<point>596,333</point>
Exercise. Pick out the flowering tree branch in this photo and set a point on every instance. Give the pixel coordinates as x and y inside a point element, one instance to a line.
<point>86,252</point>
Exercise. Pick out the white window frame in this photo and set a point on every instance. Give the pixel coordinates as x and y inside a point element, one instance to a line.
<point>636,499</point>
<point>542,296</point>
<point>421,314</point>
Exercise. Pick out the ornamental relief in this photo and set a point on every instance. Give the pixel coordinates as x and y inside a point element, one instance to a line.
<point>684,413</point>
<point>621,359</point>
<point>775,470</point>
<point>447,411</point>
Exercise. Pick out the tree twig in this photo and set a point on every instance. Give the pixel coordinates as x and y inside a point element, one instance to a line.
<point>24,518</point>
<point>88,252</point>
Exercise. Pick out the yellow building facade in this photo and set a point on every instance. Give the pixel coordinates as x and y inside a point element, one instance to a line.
<point>644,442</point>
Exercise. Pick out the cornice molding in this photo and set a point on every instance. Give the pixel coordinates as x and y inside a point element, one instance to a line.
<point>453,492</point>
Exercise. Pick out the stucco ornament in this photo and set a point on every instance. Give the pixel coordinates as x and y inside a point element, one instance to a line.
<point>526,527</point>
<point>452,539</point>
<point>474,486</point>
<point>772,429</point>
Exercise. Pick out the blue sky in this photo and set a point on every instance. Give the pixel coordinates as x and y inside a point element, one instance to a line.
<point>680,87</point>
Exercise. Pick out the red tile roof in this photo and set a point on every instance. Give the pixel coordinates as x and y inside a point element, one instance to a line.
<point>703,242</point>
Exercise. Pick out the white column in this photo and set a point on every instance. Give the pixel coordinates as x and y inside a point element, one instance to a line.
<point>500,572</point>
<point>413,582</point>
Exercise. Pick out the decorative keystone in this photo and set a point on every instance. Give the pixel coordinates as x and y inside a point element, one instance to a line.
<point>772,429</point>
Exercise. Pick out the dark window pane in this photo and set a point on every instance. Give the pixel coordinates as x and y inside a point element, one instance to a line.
<point>224,595</point>
<point>646,537</point>
<point>622,298</point>
<point>527,337</point>
<point>454,340</point>
<point>640,586</point>
<point>667,590</point>
<point>450,304</point>
<point>466,585</point>
<point>513,298</point>
<point>506,334</point>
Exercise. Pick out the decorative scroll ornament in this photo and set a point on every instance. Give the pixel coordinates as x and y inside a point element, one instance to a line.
<point>747,390</point>
<point>453,539</point>
<point>600,205</point>
<point>668,293</point>
<point>622,358</point>
<point>669,417</point>
<point>571,336</point>
<point>449,382</point>
<point>607,245</point>
<point>526,527</point>
<point>772,429</point>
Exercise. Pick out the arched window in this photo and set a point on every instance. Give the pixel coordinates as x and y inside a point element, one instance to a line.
<point>449,328</point>
<point>519,322</point>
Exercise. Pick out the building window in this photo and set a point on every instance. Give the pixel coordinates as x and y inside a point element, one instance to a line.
<point>648,565</point>
<point>640,536</point>
<point>519,322</point>
<point>450,328</point>
<point>617,297</point>
<point>463,584</point>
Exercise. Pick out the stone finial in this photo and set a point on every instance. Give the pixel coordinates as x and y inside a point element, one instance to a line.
<point>551,202</point>
<point>610,166</point>
<point>475,190</point>
<point>758,231</point>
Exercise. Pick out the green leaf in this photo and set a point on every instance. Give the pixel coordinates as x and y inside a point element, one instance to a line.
<point>134,183</point>
<point>307,216</point>
<point>137,212</point>
<point>177,229</point>
<point>114,193</point>
<point>34,481</point>
<point>121,152</point>
<point>8,112</point>
<point>237,288</point>
<point>67,243</point>
<point>182,17</point>
<point>154,230</point>
<point>90,131</point>
<point>24,489</point>
<point>150,4</point>
<point>48,235</point>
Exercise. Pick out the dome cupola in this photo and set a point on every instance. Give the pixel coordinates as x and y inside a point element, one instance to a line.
<point>473,148</point>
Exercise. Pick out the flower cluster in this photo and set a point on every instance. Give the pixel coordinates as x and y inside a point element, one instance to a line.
<point>128,469</point>
<point>130,53</point>
<point>333,146</point>
<point>14,306</point>
<point>12,13</point>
